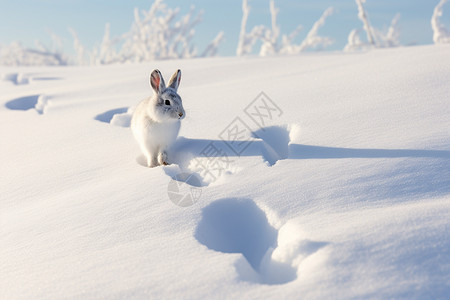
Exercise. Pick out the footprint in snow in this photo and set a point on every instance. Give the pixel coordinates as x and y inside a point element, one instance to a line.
<point>118,117</point>
<point>22,79</point>
<point>275,141</point>
<point>16,78</point>
<point>270,256</point>
<point>212,160</point>
<point>37,102</point>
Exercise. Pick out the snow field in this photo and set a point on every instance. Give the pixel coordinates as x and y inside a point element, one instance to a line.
<point>345,195</point>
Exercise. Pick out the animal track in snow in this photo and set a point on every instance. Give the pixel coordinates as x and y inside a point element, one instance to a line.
<point>270,256</point>
<point>237,226</point>
<point>42,104</point>
<point>197,156</point>
<point>118,117</point>
<point>16,78</point>
<point>272,143</point>
<point>276,141</point>
<point>37,102</point>
<point>21,79</point>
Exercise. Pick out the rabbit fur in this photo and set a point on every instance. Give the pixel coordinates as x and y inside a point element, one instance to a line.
<point>157,119</point>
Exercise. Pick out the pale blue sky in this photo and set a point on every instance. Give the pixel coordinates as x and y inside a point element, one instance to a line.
<point>30,20</point>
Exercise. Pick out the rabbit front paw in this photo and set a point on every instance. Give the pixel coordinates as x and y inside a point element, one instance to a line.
<point>162,158</point>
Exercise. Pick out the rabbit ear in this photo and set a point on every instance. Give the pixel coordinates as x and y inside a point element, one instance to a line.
<point>157,81</point>
<point>175,80</point>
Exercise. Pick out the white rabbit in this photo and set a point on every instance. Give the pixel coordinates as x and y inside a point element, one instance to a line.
<point>156,120</point>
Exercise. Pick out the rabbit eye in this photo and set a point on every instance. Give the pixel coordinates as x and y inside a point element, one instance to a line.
<point>167,102</point>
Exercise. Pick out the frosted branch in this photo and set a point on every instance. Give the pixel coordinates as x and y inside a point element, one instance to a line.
<point>211,49</point>
<point>393,34</point>
<point>312,39</point>
<point>362,15</point>
<point>272,40</point>
<point>246,41</point>
<point>80,51</point>
<point>375,38</point>
<point>440,33</point>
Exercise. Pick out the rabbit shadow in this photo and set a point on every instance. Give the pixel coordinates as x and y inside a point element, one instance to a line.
<point>425,172</point>
<point>190,148</point>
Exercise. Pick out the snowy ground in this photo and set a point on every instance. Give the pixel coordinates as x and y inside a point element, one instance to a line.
<point>344,193</point>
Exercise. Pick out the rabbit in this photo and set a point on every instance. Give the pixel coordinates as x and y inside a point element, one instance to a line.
<point>157,119</point>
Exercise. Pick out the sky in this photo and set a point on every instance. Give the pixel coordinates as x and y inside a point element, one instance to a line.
<point>28,21</point>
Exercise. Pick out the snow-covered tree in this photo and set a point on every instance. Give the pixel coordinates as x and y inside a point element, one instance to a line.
<point>106,53</point>
<point>82,56</point>
<point>272,40</point>
<point>159,33</point>
<point>17,55</point>
<point>375,38</point>
<point>155,34</point>
<point>440,33</point>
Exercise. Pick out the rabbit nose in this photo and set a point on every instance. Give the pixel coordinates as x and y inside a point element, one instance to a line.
<point>180,114</point>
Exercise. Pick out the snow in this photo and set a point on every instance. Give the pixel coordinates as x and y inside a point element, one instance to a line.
<point>344,193</point>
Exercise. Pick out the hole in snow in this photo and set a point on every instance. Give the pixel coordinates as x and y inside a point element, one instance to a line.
<point>237,226</point>
<point>23,103</point>
<point>118,117</point>
<point>240,226</point>
<point>15,78</point>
